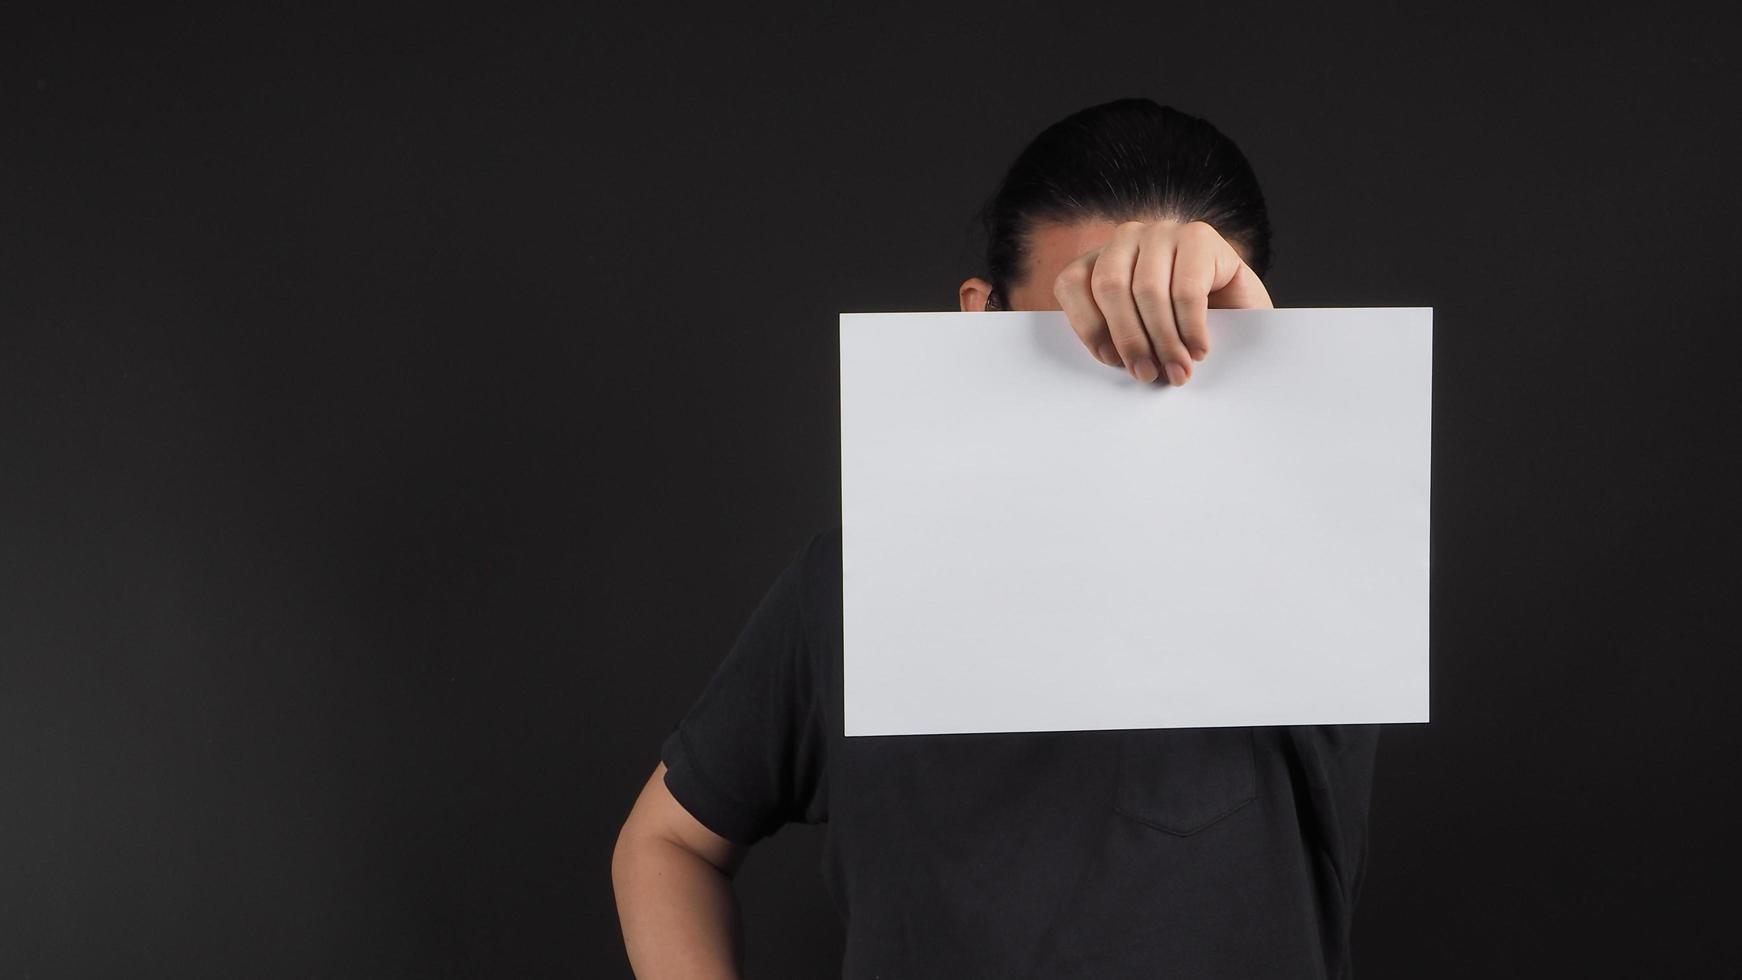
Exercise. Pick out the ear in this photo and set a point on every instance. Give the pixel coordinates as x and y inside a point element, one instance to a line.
<point>973,295</point>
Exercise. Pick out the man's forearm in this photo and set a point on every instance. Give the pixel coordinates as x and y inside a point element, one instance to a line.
<point>678,912</point>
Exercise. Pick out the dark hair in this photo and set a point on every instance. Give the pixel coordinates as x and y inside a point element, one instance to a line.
<point>1115,162</point>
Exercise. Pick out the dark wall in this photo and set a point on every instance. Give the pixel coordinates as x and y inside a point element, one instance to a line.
<point>400,418</point>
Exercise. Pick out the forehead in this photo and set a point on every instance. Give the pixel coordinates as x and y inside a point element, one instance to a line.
<point>1053,244</point>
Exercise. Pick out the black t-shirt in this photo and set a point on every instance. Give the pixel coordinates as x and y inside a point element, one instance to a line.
<point>1198,853</point>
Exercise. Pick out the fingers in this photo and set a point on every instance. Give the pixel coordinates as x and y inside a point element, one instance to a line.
<point>1141,301</point>
<point>1152,286</point>
<point>1071,289</point>
<point>1198,253</point>
<point>1110,287</point>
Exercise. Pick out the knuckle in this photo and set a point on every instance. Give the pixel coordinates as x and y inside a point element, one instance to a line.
<point>1188,287</point>
<point>1110,284</point>
<point>1199,229</point>
<point>1149,289</point>
<point>1160,231</point>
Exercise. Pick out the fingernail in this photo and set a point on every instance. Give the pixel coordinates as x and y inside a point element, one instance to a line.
<point>1143,369</point>
<point>1110,356</point>
<point>1175,374</point>
<point>1198,353</point>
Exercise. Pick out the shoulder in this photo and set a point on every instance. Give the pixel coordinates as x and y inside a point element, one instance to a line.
<point>825,549</point>
<point>821,565</point>
<point>819,559</point>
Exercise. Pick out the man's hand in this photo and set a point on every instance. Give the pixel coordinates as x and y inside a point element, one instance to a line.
<point>1139,301</point>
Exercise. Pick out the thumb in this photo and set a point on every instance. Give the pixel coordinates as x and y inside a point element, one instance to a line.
<point>1237,287</point>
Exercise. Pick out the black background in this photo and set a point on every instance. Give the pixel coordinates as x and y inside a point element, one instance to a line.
<point>401,416</point>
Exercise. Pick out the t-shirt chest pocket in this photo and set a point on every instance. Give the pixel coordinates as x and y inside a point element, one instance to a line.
<point>1182,780</point>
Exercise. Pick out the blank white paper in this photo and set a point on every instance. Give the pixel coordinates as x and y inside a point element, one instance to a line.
<point>1034,541</point>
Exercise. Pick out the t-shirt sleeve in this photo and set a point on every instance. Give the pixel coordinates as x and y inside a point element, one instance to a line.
<point>748,756</point>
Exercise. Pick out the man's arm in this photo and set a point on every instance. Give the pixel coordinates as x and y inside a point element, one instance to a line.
<point>673,879</point>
